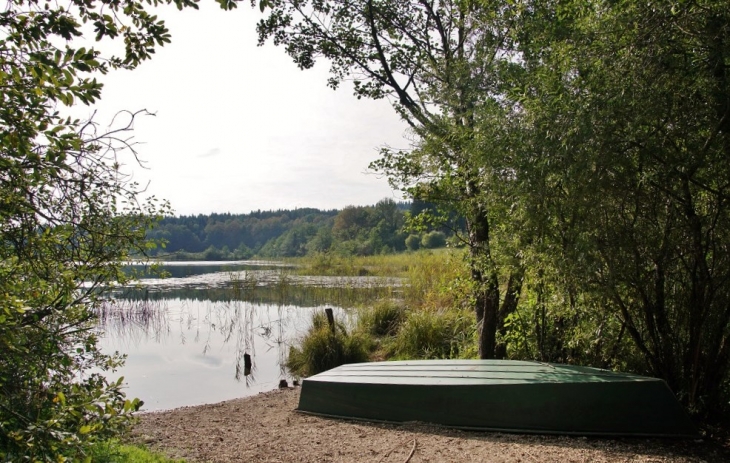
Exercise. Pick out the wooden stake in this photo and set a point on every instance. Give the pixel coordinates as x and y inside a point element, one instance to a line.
<point>330,318</point>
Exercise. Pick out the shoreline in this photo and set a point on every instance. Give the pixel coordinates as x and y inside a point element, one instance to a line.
<point>265,428</point>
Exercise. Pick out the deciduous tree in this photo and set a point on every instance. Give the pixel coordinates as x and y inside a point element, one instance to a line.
<point>68,218</point>
<point>438,62</point>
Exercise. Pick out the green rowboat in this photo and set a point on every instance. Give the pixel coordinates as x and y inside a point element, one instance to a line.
<point>499,395</point>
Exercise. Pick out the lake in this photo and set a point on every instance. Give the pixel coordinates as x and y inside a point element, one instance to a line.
<point>186,335</point>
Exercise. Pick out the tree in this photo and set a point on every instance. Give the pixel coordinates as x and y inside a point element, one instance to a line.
<point>438,62</point>
<point>584,142</point>
<point>350,223</point>
<point>631,103</point>
<point>68,218</point>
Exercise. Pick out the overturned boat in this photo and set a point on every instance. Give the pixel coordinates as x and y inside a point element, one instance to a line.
<point>499,395</point>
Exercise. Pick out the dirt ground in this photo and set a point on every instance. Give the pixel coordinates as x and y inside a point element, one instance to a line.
<point>265,428</point>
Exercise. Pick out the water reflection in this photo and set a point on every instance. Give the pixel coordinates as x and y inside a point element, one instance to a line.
<point>184,269</point>
<point>186,352</point>
<point>189,345</point>
<point>343,296</point>
<point>217,331</point>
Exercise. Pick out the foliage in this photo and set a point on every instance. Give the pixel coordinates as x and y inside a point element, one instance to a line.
<point>322,349</point>
<point>634,190</point>
<point>586,145</point>
<point>113,451</point>
<point>68,217</point>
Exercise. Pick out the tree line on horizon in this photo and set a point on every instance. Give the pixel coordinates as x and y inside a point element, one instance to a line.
<point>351,231</point>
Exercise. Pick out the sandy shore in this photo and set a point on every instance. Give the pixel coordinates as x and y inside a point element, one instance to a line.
<point>265,428</point>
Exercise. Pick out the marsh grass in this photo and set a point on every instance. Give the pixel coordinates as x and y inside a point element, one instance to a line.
<point>384,318</point>
<point>385,265</point>
<point>124,318</point>
<point>321,349</point>
<point>435,334</point>
<point>431,319</point>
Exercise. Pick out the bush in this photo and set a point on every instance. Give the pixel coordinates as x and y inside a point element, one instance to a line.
<point>322,350</point>
<point>413,242</point>
<point>433,240</point>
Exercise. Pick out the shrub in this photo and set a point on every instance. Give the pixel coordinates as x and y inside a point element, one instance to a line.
<point>413,242</point>
<point>433,240</point>
<point>113,452</point>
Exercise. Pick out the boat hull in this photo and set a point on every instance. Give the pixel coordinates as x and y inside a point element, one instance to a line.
<point>506,396</point>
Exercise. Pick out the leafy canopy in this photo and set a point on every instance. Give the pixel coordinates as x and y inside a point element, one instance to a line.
<point>68,217</point>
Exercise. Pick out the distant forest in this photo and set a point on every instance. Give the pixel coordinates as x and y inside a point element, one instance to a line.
<point>354,230</point>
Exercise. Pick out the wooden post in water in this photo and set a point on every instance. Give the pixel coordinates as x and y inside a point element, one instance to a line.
<point>246,364</point>
<point>330,318</point>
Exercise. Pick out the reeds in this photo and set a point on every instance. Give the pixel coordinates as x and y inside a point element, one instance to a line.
<point>128,319</point>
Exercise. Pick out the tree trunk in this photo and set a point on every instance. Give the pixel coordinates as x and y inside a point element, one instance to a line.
<point>509,305</point>
<point>486,283</point>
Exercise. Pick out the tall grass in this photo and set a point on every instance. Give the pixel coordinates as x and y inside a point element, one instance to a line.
<point>436,280</point>
<point>322,349</point>
<point>435,334</point>
<point>386,265</point>
<point>382,319</point>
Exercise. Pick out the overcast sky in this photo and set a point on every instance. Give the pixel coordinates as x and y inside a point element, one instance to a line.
<point>241,128</point>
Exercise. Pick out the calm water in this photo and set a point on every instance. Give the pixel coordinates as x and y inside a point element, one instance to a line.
<point>186,336</point>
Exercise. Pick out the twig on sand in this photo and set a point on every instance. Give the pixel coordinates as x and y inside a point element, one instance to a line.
<point>413,451</point>
<point>186,430</point>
